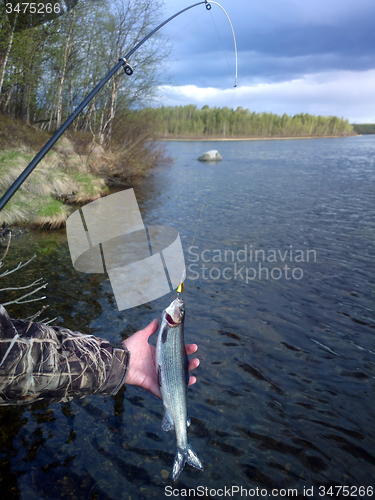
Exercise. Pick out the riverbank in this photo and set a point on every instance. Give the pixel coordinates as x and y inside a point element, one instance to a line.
<point>76,171</point>
<point>211,139</point>
<point>62,178</point>
<point>364,128</point>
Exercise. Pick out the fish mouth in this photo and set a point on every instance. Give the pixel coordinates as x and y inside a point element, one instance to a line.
<point>170,320</point>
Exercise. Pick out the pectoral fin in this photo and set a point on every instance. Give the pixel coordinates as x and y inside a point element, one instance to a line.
<point>167,423</point>
<point>164,335</point>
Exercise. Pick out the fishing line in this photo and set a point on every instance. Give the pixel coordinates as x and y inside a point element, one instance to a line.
<point>198,220</point>
<point>229,68</point>
<point>235,85</point>
<point>180,288</point>
<point>222,46</point>
<point>186,25</point>
<point>129,71</point>
<point>234,37</point>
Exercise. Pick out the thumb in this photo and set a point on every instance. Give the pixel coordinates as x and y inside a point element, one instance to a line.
<point>141,337</point>
<point>150,329</point>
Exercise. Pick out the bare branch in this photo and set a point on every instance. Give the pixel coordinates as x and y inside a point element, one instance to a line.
<point>19,266</point>
<point>32,318</point>
<point>47,321</point>
<point>39,283</point>
<point>17,301</point>
<point>21,287</point>
<point>20,299</point>
<point>6,251</point>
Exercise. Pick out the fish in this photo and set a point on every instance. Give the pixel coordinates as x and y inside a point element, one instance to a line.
<point>173,379</point>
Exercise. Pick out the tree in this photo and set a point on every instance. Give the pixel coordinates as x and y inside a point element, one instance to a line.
<point>6,41</point>
<point>190,121</point>
<point>50,67</point>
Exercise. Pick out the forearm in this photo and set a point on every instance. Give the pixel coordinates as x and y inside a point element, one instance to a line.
<point>40,362</point>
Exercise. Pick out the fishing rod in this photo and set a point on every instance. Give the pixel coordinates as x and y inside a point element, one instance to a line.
<point>122,63</point>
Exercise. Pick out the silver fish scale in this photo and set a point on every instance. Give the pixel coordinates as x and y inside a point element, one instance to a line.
<point>173,381</point>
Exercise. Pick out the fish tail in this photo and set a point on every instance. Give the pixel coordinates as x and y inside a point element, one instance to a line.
<point>184,455</point>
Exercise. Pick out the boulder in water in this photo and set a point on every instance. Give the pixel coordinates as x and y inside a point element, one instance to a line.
<point>212,155</point>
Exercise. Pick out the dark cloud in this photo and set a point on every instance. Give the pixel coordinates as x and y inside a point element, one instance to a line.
<point>348,39</point>
<point>277,40</point>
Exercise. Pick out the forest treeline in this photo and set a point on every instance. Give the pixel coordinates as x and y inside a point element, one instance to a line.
<point>364,128</point>
<point>190,121</point>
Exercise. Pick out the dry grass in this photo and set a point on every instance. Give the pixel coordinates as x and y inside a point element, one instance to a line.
<point>13,133</point>
<point>133,150</point>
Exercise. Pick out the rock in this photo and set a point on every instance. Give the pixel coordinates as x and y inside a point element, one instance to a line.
<point>212,155</point>
<point>164,474</point>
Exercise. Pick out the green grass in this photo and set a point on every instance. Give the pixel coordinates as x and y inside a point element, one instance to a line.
<point>47,246</point>
<point>50,208</point>
<point>89,185</point>
<point>11,155</point>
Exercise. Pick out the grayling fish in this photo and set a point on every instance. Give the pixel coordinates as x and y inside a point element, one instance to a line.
<point>173,377</point>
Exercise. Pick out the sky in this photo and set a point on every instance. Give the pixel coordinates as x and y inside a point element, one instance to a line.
<point>294,56</point>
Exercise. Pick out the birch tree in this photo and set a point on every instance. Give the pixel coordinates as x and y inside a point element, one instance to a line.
<point>128,22</point>
<point>67,49</point>
<point>5,45</point>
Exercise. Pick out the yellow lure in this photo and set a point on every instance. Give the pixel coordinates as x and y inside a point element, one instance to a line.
<point>180,288</point>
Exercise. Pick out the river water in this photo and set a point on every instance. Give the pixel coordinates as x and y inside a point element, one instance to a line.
<point>278,298</point>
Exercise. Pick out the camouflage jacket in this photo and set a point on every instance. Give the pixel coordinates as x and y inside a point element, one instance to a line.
<point>40,362</point>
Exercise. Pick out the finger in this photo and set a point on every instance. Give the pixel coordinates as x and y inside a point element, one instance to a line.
<point>193,363</point>
<point>150,329</point>
<point>192,380</point>
<point>191,348</point>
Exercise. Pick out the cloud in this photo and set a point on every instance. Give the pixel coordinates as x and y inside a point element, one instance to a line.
<point>342,93</point>
<point>293,56</point>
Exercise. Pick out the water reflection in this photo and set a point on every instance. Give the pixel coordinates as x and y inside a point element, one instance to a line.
<point>285,387</point>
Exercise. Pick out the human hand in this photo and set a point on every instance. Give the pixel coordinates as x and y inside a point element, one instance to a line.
<point>142,365</point>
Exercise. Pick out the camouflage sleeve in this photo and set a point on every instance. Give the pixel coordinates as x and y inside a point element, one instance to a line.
<point>40,362</point>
